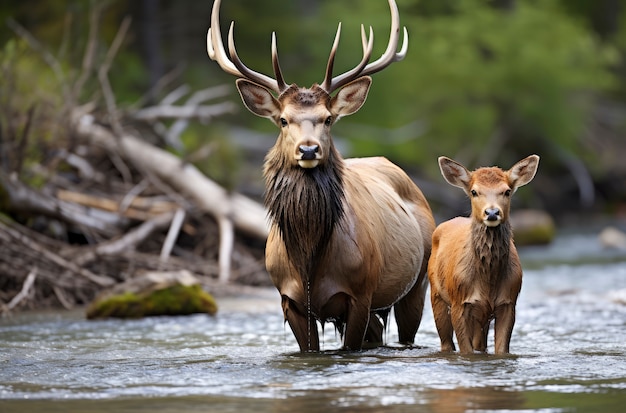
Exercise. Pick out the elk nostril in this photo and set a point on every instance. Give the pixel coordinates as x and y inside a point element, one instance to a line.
<point>492,214</point>
<point>308,152</point>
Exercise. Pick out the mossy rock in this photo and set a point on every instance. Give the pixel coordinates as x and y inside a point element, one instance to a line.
<point>532,227</point>
<point>170,297</point>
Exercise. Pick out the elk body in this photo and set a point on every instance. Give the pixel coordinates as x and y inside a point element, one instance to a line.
<point>349,238</point>
<point>474,271</point>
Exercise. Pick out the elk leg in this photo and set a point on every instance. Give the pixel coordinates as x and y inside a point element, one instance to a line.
<point>470,327</point>
<point>408,311</point>
<point>374,334</point>
<point>304,326</point>
<point>479,342</point>
<point>443,322</point>
<point>505,319</point>
<point>356,324</point>
<point>461,321</point>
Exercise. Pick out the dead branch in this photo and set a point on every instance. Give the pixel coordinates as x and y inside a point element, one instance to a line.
<point>16,236</point>
<point>30,280</point>
<point>24,199</point>
<point>246,214</point>
<point>128,242</point>
<point>155,113</point>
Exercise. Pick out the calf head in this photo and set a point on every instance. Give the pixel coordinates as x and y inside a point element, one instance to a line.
<point>489,188</point>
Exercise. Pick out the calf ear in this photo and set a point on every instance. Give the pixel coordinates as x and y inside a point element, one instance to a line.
<point>455,173</point>
<point>523,172</point>
<point>259,100</point>
<point>351,97</point>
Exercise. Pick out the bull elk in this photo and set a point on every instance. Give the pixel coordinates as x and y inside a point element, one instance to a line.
<point>349,238</point>
<point>474,271</point>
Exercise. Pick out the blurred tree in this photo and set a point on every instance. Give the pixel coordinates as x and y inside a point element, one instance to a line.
<point>485,81</point>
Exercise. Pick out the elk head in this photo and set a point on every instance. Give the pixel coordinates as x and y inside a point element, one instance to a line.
<point>489,189</point>
<point>305,115</point>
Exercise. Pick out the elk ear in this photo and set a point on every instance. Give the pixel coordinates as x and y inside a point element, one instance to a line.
<point>454,173</point>
<point>523,172</point>
<point>258,100</point>
<point>351,97</point>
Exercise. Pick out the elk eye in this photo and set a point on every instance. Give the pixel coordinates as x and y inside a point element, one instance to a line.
<point>474,193</point>
<point>328,121</point>
<point>283,122</point>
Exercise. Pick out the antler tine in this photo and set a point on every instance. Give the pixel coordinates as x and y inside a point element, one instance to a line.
<point>250,74</point>
<point>216,51</point>
<point>333,84</point>
<point>331,61</point>
<point>388,57</point>
<point>280,81</point>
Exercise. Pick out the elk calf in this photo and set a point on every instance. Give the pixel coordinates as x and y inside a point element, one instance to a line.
<point>474,270</point>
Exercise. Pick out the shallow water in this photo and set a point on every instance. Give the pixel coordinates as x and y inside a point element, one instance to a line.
<point>569,354</point>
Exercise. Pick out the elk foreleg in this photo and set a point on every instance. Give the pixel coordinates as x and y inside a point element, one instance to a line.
<point>505,319</point>
<point>303,325</point>
<point>357,321</point>
<point>374,333</point>
<point>443,322</point>
<point>469,321</point>
<point>408,311</point>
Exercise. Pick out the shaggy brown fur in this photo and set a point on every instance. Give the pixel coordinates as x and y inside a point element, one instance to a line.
<point>349,238</point>
<point>306,205</point>
<point>474,270</point>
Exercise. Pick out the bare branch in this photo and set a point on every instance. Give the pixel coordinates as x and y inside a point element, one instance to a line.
<point>103,73</point>
<point>30,280</point>
<point>101,280</point>
<point>172,234</point>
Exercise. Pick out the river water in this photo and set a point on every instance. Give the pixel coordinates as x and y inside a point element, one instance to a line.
<point>568,345</point>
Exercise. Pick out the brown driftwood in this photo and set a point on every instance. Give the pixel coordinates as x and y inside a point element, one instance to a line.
<point>104,199</point>
<point>231,210</point>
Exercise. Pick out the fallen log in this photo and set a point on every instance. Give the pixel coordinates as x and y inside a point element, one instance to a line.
<point>231,210</point>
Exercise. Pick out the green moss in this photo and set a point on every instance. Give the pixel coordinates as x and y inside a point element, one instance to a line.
<point>175,300</point>
<point>535,235</point>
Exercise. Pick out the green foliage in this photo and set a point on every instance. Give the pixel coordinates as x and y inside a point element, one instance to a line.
<point>482,84</point>
<point>220,159</point>
<point>483,79</point>
<point>29,93</point>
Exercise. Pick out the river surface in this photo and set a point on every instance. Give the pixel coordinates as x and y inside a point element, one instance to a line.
<point>568,345</point>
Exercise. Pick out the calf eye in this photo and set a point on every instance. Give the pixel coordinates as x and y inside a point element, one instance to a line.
<point>283,122</point>
<point>507,192</point>
<point>328,121</point>
<point>474,193</point>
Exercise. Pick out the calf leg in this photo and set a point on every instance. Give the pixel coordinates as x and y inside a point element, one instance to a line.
<point>304,326</point>
<point>470,322</point>
<point>505,319</point>
<point>459,317</point>
<point>443,322</point>
<point>479,342</point>
<point>408,311</point>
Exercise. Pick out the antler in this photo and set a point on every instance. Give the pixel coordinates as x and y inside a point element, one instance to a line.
<point>389,56</point>
<point>216,51</point>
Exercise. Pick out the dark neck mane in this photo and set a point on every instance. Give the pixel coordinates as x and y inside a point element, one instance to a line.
<point>491,248</point>
<point>306,205</point>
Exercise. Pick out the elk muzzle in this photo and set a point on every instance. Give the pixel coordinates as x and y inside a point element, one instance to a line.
<point>308,156</point>
<point>492,217</point>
